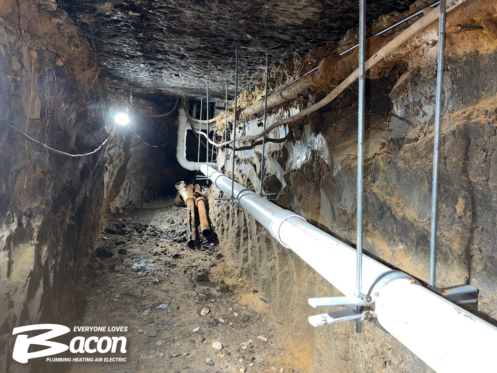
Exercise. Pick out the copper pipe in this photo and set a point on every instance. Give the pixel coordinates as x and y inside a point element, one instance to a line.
<point>202,212</point>
<point>191,226</point>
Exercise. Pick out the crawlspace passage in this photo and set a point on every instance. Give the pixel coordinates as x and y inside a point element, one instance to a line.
<point>122,228</point>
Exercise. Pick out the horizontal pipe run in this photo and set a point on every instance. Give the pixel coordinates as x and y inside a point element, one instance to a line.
<point>442,334</point>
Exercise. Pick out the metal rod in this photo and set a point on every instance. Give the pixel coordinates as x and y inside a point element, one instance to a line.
<point>438,117</point>
<point>419,12</point>
<point>208,124</point>
<point>225,124</point>
<point>425,322</point>
<point>293,81</point>
<point>265,123</point>
<point>200,129</point>
<point>360,139</point>
<point>234,123</point>
<point>233,201</point>
<point>212,147</point>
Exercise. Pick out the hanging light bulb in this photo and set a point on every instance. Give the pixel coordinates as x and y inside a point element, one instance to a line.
<point>122,119</point>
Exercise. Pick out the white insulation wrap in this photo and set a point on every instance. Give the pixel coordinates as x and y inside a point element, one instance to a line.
<point>442,334</point>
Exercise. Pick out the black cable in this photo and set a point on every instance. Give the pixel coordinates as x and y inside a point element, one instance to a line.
<point>143,141</point>
<point>166,114</point>
<point>15,129</point>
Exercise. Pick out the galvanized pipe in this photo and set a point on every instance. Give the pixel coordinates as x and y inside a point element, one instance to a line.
<point>225,124</point>
<point>438,118</point>
<point>360,140</point>
<point>265,123</point>
<point>234,124</point>
<point>208,124</point>
<point>201,103</point>
<point>212,150</point>
<point>202,211</point>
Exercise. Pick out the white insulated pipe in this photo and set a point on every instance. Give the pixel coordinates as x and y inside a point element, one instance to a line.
<point>183,128</point>
<point>442,334</point>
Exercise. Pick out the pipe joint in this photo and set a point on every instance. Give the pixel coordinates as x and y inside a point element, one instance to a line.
<point>279,218</point>
<point>383,280</point>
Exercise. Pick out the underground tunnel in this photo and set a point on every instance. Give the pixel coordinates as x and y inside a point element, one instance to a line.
<point>294,186</point>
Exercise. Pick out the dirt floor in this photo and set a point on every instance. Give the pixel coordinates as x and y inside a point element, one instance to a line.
<point>177,302</point>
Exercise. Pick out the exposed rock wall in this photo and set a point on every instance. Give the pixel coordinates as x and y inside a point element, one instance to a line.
<point>314,174</point>
<point>51,206</point>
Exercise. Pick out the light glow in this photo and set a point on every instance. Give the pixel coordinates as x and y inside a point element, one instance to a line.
<point>122,119</point>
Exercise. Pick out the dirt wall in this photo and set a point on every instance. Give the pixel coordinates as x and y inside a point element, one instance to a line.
<point>53,87</point>
<point>314,174</point>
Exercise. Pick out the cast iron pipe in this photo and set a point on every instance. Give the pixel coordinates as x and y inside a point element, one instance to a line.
<point>191,225</point>
<point>202,212</point>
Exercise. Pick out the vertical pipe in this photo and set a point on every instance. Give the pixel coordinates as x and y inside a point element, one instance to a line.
<point>212,147</point>
<point>360,139</point>
<point>438,117</point>
<point>212,151</point>
<point>200,129</point>
<point>202,211</point>
<point>208,125</point>
<point>191,225</point>
<point>234,127</point>
<point>225,124</point>
<point>265,123</point>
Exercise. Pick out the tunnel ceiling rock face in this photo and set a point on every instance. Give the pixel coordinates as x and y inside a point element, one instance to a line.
<point>174,47</point>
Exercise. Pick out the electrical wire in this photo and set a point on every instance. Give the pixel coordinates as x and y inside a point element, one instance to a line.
<point>198,120</point>
<point>419,12</point>
<point>411,16</point>
<point>166,114</point>
<point>15,129</point>
<point>146,143</point>
<point>379,55</point>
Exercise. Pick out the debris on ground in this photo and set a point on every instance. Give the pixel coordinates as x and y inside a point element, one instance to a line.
<point>182,312</point>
